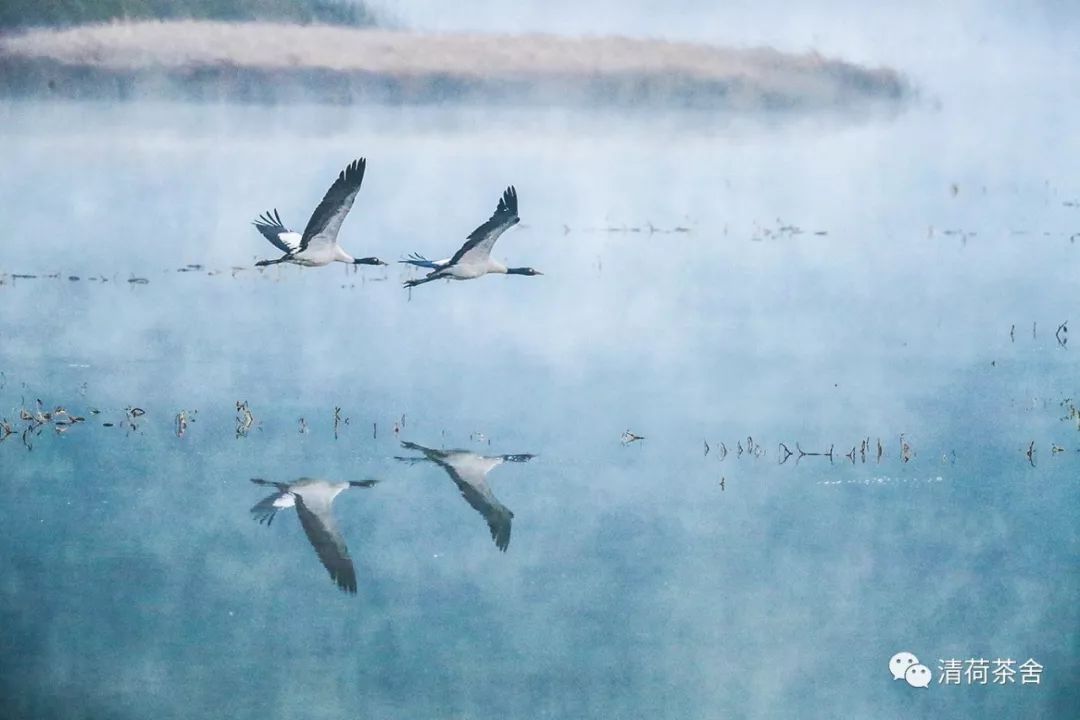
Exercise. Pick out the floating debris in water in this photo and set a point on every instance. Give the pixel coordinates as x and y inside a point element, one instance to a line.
<point>624,228</point>
<point>1062,334</point>
<point>181,421</point>
<point>755,449</point>
<point>244,419</point>
<point>906,453</point>
<point>34,417</point>
<point>37,420</point>
<point>654,230</point>
<point>338,421</point>
<point>1072,412</point>
<point>782,230</point>
<point>131,414</point>
<point>138,281</point>
<point>804,453</point>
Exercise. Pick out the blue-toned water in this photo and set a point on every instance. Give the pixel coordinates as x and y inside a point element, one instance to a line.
<point>743,288</point>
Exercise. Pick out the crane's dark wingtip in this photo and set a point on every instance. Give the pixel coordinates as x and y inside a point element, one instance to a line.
<point>353,172</point>
<point>508,202</point>
<point>269,218</point>
<point>347,583</point>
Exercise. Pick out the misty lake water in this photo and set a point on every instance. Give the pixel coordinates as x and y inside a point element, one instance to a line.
<point>725,288</point>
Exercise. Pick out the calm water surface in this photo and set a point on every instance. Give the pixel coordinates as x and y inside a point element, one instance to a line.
<point>836,282</point>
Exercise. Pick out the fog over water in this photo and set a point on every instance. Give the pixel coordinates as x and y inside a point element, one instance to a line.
<point>741,284</point>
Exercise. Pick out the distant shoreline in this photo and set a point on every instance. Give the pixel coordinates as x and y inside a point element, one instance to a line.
<point>271,63</point>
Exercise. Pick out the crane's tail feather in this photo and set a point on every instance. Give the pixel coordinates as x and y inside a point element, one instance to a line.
<point>418,260</point>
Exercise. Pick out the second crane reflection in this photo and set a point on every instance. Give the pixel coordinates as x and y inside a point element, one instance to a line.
<point>312,499</point>
<point>469,471</point>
